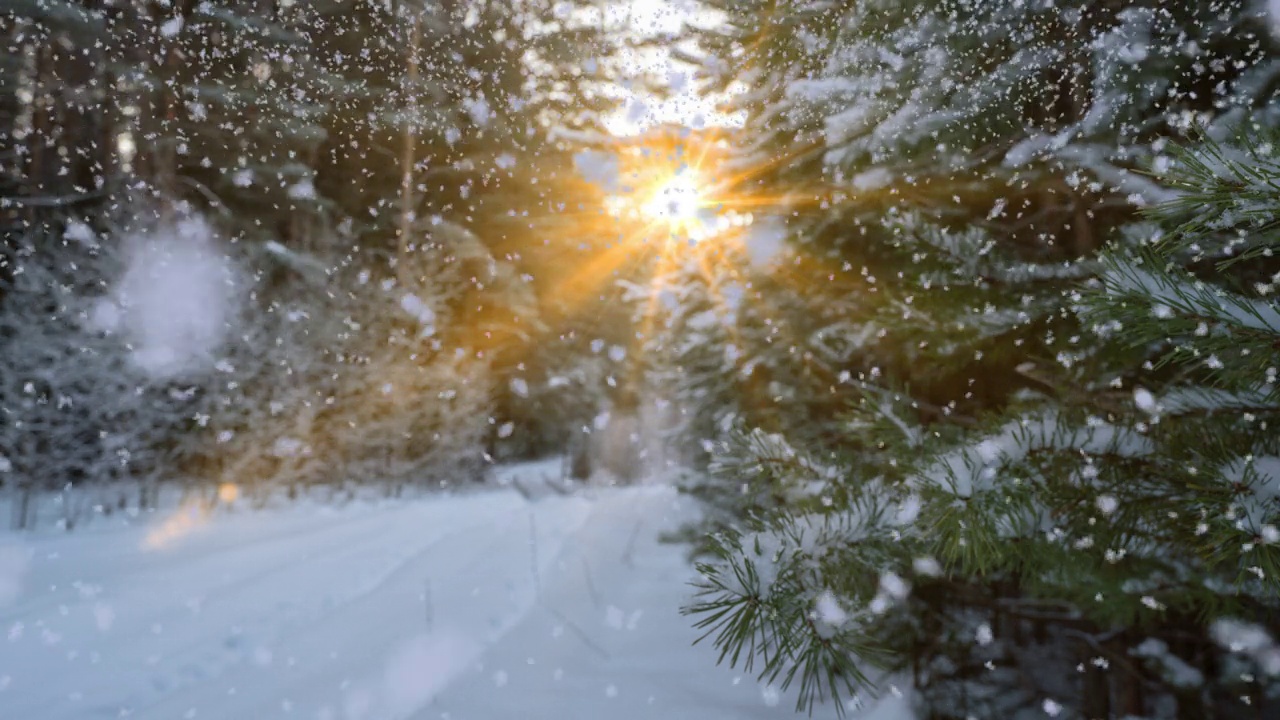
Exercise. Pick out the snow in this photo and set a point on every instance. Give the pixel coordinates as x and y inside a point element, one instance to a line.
<point>637,111</point>
<point>975,469</point>
<point>926,566</point>
<point>828,615</point>
<point>1192,298</point>
<point>1145,401</point>
<point>1262,475</point>
<point>286,447</point>
<point>105,316</point>
<point>304,189</point>
<point>175,300</point>
<point>478,605</point>
<point>984,635</point>
<point>1250,640</point>
<point>421,312</point>
<point>479,111</point>
<point>171,27</point>
<point>1172,668</point>
<point>79,232</point>
<point>13,568</point>
<point>601,168</point>
<point>894,586</point>
<point>871,180</point>
<point>764,241</point>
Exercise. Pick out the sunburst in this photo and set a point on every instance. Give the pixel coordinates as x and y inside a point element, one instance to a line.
<point>678,201</point>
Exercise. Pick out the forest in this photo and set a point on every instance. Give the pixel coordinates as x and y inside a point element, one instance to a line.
<point>956,320</point>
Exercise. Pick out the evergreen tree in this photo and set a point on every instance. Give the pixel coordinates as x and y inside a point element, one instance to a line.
<point>1099,527</point>
<point>397,149</point>
<point>1002,514</point>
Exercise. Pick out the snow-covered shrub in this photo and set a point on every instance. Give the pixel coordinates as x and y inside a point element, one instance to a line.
<point>105,342</point>
<point>321,387</point>
<point>167,354</point>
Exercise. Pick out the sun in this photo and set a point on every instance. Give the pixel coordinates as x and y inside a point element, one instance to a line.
<point>666,192</point>
<point>676,201</point>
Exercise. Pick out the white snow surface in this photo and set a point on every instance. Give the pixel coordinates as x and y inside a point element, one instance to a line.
<point>474,606</point>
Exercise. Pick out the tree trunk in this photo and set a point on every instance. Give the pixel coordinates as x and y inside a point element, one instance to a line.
<point>580,468</point>
<point>23,508</point>
<point>407,153</point>
<point>1085,240</point>
<point>1095,696</point>
<point>1132,701</point>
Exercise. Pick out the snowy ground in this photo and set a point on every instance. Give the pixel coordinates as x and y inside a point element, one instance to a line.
<point>481,606</point>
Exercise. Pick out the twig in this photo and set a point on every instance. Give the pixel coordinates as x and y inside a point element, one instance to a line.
<point>525,492</point>
<point>591,586</point>
<point>631,545</point>
<point>582,635</point>
<point>49,200</point>
<point>533,556</point>
<point>430,609</point>
<point>1098,644</point>
<point>211,196</point>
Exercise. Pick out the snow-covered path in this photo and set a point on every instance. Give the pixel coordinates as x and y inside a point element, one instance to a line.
<point>421,609</point>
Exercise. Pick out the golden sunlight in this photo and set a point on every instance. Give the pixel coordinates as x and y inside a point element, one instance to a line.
<point>191,515</point>
<point>670,203</point>
<point>228,493</point>
<point>677,201</point>
<point>665,198</point>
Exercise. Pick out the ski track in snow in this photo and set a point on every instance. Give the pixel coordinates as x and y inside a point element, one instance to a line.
<point>417,610</point>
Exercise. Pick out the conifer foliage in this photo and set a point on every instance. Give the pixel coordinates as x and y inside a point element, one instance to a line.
<point>1054,489</point>
<point>1125,516</point>
<point>320,206</point>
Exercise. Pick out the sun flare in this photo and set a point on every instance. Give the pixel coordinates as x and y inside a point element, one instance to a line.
<point>666,196</point>
<point>676,201</point>
<point>669,203</point>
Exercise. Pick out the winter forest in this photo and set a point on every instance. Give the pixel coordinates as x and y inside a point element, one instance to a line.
<point>705,359</point>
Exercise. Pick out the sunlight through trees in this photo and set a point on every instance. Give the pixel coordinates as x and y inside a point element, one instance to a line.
<point>956,319</point>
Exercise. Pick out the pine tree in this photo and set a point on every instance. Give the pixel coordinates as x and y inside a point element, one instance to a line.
<point>1002,515</point>
<point>1098,528</point>
<point>398,149</point>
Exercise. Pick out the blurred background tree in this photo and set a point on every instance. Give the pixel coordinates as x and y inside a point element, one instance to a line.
<point>379,182</point>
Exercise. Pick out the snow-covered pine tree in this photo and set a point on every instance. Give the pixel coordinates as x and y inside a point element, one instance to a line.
<point>1088,549</point>
<point>943,109</point>
<point>956,164</point>
<point>732,346</point>
<point>1038,107</point>
<point>398,148</point>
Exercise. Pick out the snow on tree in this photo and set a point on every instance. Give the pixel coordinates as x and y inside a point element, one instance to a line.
<point>1033,492</point>
<point>360,175</point>
<point>1088,528</point>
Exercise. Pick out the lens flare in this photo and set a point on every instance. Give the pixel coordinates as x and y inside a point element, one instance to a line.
<point>676,201</point>
<point>228,493</point>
